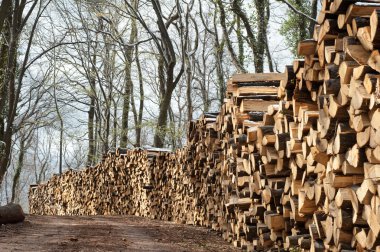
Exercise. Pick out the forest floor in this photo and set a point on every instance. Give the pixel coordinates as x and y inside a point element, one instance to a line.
<point>107,233</point>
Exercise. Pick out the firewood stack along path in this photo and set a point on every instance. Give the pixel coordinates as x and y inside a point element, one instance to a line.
<point>291,160</point>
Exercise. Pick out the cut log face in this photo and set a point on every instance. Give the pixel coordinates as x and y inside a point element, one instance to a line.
<point>292,160</point>
<point>374,60</point>
<point>307,47</point>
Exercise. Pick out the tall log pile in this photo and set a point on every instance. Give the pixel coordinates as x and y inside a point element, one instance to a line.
<point>291,160</point>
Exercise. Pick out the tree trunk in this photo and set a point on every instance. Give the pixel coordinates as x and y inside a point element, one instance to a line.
<point>9,82</point>
<point>160,134</point>
<point>173,129</point>
<point>126,100</point>
<point>203,82</point>
<point>188,89</point>
<point>106,133</point>
<point>269,56</point>
<point>16,178</point>
<point>314,10</point>
<point>114,130</point>
<point>137,115</point>
<point>240,40</point>
<point>218,52</point>
<point>3,88</point>
<point>5,10</point>
<point>60,118</point>
<point>40,175</point>
<point>109,62</point>
<point>91,133</point>
<point>91,111</point>
<point>96,137</point>
<point>142,97</point>
<point>302,24</point>
<point>220,75</point>
<point>128,86</point>
<point>167,60</point>
<point>161,128</point>
<point>231,51</point>
<point>18,20</point>
<point>267,50</point>
<point>261,35</point>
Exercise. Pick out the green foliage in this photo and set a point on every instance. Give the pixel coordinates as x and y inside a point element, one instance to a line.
<point>295,27</point>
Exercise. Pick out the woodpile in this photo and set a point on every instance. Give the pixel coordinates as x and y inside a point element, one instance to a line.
<point>121,184</point>
<point>292,160</point>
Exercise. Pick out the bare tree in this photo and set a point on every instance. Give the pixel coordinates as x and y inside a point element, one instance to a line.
<point>128,88</point>
<point>138,114</point>
<point>25,141</point>
<point>14,73</point>
<point>167,62</point>
<point>226,37</point>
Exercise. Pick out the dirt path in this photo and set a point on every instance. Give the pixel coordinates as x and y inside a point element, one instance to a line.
<point>106,233</point>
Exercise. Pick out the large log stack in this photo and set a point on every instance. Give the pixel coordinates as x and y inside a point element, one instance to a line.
<point>122,183</point>
<point>292,160</point>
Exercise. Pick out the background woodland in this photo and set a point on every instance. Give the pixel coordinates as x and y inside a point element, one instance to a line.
<point>81,77</point>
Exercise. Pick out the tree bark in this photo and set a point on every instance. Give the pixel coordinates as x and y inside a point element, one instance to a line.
<point>314,10</point>
<point>188,89</point>
<point>107,87</point>
<point>269,56</point>
<point>261,6</point>
<point>137,115</point>
<point>240,40</point>
<point>3,71</point>
<point>11,213</point>
<point>267,50</point>
<point>5,11</point>
<point>91,133</point>
<point>59,115</point>
<point>257,44</point>
<point>114,130</point>
<point>219,52</point>
<point>189,69</point>
<point>128,86</point>
<point>169,62</point>
<point>9,83</point>
<point>91,111</point>
<point>302,24</point>
<point>231,51</point>
<point>14,74</point>
<point>97,131</point>
<point>160,134</point>
<point>126,97</point>
<point>20,164</point>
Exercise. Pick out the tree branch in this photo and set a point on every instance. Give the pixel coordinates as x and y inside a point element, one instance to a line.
<point>297,11</point>
<point>51,48</point>
<point>222,20</point>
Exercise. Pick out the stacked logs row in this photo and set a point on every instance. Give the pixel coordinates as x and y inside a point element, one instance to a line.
<point>333,141</point>
<point>291,160</point>
<point>120,184</point>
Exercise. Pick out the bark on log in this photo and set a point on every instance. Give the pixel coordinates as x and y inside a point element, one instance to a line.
<point>11,213</point>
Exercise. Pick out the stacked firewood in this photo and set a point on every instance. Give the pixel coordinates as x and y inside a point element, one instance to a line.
<point>333,93</point>
<point>120,184</point>
<point>241,125</point>
<point>290,161</point>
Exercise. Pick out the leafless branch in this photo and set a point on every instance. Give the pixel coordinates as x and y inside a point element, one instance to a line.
<point>297,11</point>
